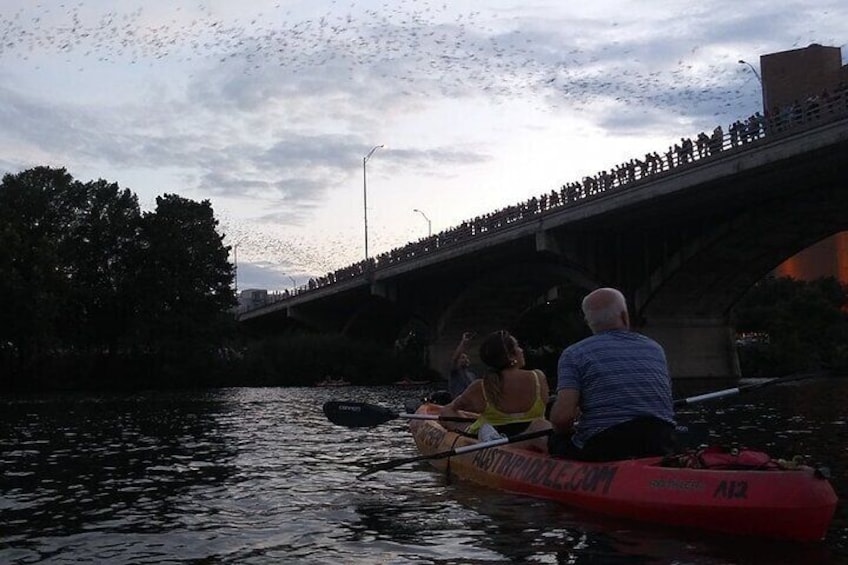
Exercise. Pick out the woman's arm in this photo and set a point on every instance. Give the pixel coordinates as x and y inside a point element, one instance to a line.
<point>464,402</point>
<point>471,400</point>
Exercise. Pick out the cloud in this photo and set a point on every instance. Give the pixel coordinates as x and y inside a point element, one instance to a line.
<point>267,108</point>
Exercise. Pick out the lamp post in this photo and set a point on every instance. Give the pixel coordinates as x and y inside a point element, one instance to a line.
<point>429,223</point>
<point>756,74</point>
<point>294,283</point>
<point>760,80</point>
<point>235,265</point>
<point>365,195</point>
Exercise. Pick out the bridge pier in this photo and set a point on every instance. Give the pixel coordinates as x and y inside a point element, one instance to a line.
<point>696,347</point>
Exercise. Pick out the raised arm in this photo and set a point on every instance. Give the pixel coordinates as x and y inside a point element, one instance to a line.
<point>462,347</point>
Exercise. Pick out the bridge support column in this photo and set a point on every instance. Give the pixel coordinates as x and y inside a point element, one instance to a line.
<point>696,347</point>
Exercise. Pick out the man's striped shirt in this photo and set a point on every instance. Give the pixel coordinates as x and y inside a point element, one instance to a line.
<point>620,375</point>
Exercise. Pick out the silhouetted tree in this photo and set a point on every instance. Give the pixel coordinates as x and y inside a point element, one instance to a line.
<point>92,292</point>
<point>185,277</point>
<point>45,302</point>
<point>96,247</point>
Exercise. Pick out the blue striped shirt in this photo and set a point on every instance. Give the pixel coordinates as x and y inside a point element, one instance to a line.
<point>620,375</point>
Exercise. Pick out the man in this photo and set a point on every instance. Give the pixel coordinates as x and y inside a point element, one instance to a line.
<point>613,389</point>
<point>461,374</point>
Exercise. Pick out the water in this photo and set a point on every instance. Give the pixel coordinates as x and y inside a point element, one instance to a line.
<point>260,476</point>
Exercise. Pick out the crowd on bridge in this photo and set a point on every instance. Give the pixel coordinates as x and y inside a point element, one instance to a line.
<point>810,112</point>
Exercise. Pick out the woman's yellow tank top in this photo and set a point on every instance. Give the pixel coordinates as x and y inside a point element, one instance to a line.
<point>492,415</point>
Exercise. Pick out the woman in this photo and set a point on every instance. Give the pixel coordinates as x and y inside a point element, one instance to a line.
<point>508,397</point>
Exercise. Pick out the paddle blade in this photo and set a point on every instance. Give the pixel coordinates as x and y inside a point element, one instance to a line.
<point>357,414</point>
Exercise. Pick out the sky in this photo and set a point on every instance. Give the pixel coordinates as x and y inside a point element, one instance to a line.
<point>268,108</point>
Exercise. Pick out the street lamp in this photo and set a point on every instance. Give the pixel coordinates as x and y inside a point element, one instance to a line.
<point>756,74</point>
<point>294,283</point>
<point>429,223</point>
<point>235,265</point>
<point>365,195</point>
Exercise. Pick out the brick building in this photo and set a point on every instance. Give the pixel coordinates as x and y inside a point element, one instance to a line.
<point>796,75</point>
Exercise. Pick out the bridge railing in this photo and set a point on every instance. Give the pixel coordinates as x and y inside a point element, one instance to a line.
<point>789,120</point>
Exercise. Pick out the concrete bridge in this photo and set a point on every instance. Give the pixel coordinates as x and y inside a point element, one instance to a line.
<point>684,238</point>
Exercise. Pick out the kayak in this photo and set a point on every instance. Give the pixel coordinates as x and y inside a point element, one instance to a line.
<point>787,502</point>
<point>409,382</point>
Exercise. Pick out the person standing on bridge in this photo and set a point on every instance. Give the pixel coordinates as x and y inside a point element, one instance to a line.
<point>508,400</point>
<point>461,375</point>
<point>614,398</point>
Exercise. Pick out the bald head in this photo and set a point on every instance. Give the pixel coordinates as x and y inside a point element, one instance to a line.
<point>605,309</point>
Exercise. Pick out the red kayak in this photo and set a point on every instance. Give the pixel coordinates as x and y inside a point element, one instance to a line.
<point>784,501</point>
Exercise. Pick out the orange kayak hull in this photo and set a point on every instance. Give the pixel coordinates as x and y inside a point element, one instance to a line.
<point>790,504</point>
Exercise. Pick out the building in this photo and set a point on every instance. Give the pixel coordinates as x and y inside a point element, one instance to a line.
<point>798,75</point>
<point>252,298</point>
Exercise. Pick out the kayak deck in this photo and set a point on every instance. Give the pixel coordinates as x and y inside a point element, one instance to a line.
<point>793,504</point>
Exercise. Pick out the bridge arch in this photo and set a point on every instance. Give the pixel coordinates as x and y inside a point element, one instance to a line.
<point>376,318</point>
<point>497,299</point>
<point>691,295</point>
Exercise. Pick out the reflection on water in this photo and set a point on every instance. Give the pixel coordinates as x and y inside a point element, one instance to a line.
<point>260,476</point>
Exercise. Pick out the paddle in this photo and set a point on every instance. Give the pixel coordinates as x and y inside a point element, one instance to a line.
<point>362,415</point>
<point>391,464</point>
<point>745,389</point>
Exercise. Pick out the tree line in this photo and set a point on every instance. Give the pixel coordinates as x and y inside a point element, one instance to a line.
<point>95,293</point>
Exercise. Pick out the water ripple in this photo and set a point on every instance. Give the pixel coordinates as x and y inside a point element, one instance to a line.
<point>260,476</point>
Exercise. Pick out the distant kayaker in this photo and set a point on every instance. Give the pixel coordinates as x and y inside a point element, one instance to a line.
<point>614,398</point>
<point>461,375</point>
<point>509,399</point>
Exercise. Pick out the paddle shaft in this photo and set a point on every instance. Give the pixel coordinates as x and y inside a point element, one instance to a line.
<point>436,417</point>
<point>385,466</point>
<point>495,442</point>
<point>742,389</point>
<point>707,396</point>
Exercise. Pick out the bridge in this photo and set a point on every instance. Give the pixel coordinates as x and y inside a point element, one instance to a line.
<point>683,234</point>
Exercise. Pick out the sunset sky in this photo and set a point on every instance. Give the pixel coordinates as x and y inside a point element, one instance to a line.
<point>266,108</point>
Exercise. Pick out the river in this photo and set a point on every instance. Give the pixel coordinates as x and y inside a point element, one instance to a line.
<point>258,475</point>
